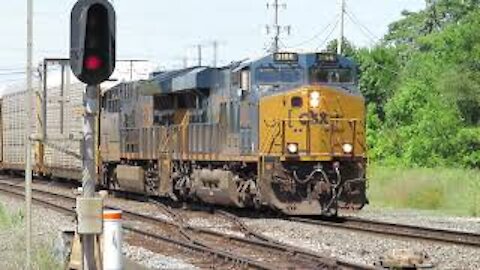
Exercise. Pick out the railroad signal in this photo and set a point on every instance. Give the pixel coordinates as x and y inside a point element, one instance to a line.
<point>92,40</point>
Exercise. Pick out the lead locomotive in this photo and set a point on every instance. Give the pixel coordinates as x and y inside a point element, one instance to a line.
<point>286,131</point>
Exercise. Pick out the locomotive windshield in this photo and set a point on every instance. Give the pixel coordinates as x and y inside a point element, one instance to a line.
<point>277,75</point>
<point>331,75</point>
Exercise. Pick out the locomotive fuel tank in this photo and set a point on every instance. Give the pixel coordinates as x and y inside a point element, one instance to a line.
<point>217,187</point>
<point>130,178</point>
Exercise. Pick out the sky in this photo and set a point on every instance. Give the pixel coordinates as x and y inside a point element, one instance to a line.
<point>164,32</point>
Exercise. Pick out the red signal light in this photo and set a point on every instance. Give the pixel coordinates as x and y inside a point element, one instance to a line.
<point>93,62</point>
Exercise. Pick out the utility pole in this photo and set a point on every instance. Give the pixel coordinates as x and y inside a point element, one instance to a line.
<point>341,32</point>
<point>132,61</point>
<point>28,131</point>
<point>199,51</point>
<point>185,61</point>
<point>215,53</point>
<point>277,28</point>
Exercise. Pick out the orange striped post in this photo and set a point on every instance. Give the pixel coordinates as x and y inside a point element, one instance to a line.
<point>112,240</point>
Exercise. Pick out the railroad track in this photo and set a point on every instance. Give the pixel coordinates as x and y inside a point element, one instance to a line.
<point>251,252</point>
<point>399,230</point>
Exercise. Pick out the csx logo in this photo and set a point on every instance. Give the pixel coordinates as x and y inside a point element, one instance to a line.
<point>321,118</point>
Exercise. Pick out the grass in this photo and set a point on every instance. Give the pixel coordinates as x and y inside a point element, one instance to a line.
<point>8,220</point>
<point>450,191</point>
<point>12,255</point>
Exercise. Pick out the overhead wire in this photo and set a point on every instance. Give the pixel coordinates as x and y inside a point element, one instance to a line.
<point>367,33</point>
<point>12,69</point>
<point>328,36</point>
<point>282,45</point>
<point>370,35</point>
<point>11,80</point>
<point>12,73</point>
<point>355,20</point>
<point>317,35</point>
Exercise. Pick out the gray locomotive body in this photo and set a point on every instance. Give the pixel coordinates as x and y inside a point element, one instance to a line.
<point>187,124</point>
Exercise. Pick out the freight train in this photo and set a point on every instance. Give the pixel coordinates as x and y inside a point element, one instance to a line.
<point>285,131</point>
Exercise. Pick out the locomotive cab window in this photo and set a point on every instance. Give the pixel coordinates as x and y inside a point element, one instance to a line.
<point>278,75</point>
<point>331,75</point>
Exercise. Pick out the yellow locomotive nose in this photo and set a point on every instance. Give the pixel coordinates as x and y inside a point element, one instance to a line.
<point>317,122</point>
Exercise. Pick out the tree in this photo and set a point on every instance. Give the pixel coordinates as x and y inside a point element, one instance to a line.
<point>422,84</point>
<point>379,69</point>
<point>347,47</point>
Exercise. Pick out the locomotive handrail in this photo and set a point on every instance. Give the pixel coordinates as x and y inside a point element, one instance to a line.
<point>170,131</point>
<point>280,123</point>
<point>313,120</point>
<point>275,123</point>
<point>270,139</point>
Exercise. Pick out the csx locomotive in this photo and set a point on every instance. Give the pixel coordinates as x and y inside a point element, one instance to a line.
<point>286,131</point>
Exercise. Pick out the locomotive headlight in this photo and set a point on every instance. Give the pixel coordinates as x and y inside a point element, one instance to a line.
<point>314,103</point>
<point>292,148</point>
<point>315,95</point>
<point>347,148</point>
<point>314,99</point>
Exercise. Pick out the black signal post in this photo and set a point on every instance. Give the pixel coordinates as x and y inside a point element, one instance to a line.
<point>92,59</point>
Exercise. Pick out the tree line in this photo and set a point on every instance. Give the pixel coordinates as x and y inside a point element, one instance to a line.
<point>421,83</point>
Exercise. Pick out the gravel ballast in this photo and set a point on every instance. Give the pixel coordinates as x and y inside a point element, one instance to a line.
<point>356,247</point>
<point>361,247</point>
<point>153,260</point>
<point>422,218</point>
<point>47,225</point>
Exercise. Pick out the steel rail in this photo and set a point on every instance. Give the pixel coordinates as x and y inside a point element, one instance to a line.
<point>268,243</point>
<point>398,230</point>
<point>248,231</point>
<point>238,260</point>
<point>330,263</point>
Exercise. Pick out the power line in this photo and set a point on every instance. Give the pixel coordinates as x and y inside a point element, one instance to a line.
<point>12,80</point>
<point>318,34</point>
<point>12,69</point>
<point>328,36</point>
<point>368,34</point>
<point>12,73</point>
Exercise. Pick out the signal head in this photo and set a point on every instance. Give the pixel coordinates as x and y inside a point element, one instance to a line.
<point>92,41</point>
